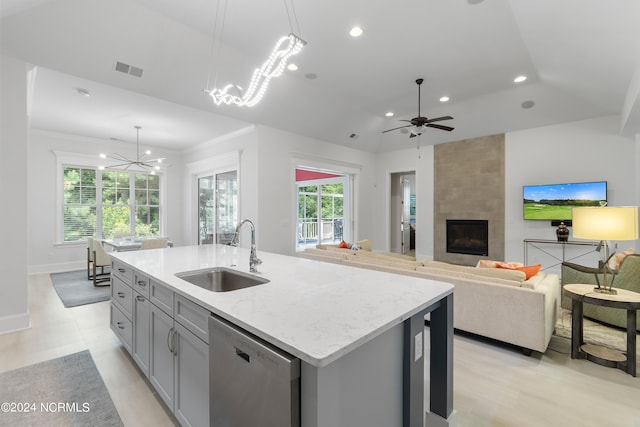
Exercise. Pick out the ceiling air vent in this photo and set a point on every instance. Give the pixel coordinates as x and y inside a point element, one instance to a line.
<point>128,69</point>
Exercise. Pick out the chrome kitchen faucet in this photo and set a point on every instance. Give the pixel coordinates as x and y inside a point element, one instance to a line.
<point>253,257</point>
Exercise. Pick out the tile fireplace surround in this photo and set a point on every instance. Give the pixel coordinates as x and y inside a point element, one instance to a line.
<point>465,174</point>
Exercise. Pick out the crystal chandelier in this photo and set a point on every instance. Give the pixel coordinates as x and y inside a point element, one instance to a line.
<point>140,162</point>
<point>274,66</point>
<point>285,48</point>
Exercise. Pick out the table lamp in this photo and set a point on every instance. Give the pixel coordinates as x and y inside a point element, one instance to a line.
<point>605,223</point>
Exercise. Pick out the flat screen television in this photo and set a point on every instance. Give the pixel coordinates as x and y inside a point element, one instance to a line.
<point>554,202</point>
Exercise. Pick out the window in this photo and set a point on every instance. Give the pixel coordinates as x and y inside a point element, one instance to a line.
<point>100,203</point>
<point>79,203</point>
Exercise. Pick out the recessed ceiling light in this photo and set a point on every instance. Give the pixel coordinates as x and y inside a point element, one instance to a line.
<point>292,67</point>
<point>444,99</point>
<point>528,104</point>
<point>520,79</point>
<point>311,76</point>
<point>356,31</point>
<point>474,1</point>
<point>389,114</point>
<point>83,92</point>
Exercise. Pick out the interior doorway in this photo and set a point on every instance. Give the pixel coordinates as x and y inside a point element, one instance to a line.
<point>403,212</point>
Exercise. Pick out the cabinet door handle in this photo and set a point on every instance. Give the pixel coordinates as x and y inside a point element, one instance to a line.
<point>142,283</point>
<point>170,340</point>
<point>140,298</point>
<point>120,325</point>
<point>121,270</point>
<point>121,294</point>
<point>173,342</point>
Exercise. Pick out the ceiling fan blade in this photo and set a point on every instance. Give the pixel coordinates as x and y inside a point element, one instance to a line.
<point>447,128</point>
<point>404,120</point>
<point>437,119</point>
<point>389,130</point>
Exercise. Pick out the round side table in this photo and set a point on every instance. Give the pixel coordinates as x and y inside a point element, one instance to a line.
<point>623,299</point>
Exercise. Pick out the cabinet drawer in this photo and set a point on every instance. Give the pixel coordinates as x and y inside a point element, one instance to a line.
<point>122,270</point>
<point>122,327</point>
<point>161,297</point>
<point>122,295</point>
<point>192,316</point>
<point>141,284</point>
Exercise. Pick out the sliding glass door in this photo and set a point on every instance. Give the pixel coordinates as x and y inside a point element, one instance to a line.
<point>323,206</point>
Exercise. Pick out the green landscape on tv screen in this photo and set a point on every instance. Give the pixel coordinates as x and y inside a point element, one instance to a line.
<point>555,201</point>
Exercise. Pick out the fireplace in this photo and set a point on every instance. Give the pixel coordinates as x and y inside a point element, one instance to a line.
<point>468,236</point>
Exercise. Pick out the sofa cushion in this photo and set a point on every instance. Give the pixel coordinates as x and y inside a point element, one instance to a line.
<point>487,263</point>
<point>442,274</point>
<point>496,273</point>
<point>386,258</point>
<point>534,281</point>
<point>528,270</point>
<point>616,259</point>
<point>364,244</point>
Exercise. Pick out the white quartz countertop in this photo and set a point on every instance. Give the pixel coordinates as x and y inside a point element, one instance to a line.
<point>313,310</point>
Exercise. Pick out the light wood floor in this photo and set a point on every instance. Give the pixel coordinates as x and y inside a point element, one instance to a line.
<point>494,385</point>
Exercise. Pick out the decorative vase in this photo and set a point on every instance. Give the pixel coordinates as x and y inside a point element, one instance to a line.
<point>562,232</point>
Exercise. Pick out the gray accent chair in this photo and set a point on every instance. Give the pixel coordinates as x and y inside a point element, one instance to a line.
<point>626,277</point>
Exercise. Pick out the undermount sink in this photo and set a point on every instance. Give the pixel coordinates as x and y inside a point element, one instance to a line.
<point>221,279</point>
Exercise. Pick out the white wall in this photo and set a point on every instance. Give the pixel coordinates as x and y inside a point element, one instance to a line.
<point>403,161</point>
<point>242,146</point>
<point>14,312</point>
<point>588,150</point>
<point>46,253</point>
<point>267,159</point>
<point>279,154</point>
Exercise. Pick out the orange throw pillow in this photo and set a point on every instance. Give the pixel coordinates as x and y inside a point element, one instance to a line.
<point>528,270</point>
<point>343,245</point>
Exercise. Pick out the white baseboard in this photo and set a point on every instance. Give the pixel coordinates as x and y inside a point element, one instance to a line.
<point>15,322</point>
<point>57,268</point>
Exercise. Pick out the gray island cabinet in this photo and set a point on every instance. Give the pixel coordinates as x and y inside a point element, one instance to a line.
<point>358,334</point>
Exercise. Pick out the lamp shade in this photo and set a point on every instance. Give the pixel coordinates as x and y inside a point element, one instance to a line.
<point>605,223</point>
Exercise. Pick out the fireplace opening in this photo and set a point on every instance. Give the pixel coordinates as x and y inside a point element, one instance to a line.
<point>468,236</point>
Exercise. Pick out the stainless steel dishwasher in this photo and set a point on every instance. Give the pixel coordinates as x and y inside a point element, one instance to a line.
<point>251,383</point>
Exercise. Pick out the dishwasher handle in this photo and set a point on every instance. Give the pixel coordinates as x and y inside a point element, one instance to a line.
<point>241,354</point>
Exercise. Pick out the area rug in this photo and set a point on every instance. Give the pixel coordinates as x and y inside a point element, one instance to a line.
<point>67,391</point>
<point>593,332</point>
<point>74,289</point>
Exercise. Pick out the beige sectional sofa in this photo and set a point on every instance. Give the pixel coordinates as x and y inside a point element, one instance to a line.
<point>496,303</point>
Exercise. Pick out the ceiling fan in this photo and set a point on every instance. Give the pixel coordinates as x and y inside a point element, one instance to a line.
<point>420,123</point>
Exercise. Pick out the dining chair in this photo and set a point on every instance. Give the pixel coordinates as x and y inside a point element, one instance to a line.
<point>89,257</point>
<point>101,259</point>
<point>154,243</point>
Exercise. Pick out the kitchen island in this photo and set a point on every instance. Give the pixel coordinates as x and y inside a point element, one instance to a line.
<point>359,334</point>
